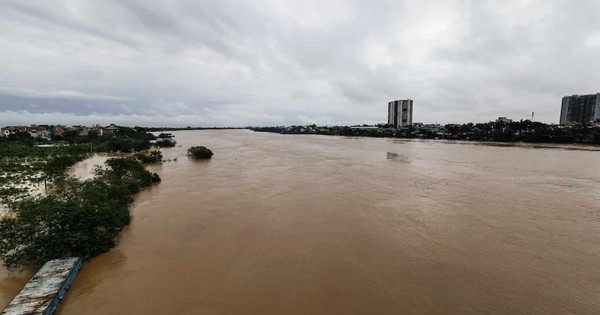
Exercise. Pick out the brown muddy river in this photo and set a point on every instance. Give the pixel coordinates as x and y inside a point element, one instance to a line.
<point>299,224</point>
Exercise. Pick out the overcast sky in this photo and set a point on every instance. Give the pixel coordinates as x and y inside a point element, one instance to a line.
<point>271,62</point>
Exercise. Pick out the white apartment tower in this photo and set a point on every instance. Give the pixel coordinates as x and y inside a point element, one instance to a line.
<point>400,113</point>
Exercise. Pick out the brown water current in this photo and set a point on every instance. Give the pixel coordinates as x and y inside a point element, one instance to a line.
<point>296,224</point>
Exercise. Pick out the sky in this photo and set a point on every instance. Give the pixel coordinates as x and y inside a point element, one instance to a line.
<point>275,62</point>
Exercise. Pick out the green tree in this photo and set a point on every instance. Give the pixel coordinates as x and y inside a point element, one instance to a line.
<point>49,228</point>
<point>127,172</point>
<point>200,152</point>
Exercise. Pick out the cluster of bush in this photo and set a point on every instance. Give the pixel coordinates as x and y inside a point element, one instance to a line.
<point>165,143</point>
<point>165,140</point>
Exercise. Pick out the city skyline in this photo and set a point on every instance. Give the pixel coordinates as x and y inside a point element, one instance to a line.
<point>268,62</point>
<point>574,109</point>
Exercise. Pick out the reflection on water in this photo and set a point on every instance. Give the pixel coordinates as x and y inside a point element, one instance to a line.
<point>11,283</point>
<point>297,224</point>
<point>397,157</point>
<point>392,155</point>
<point>88,283</point>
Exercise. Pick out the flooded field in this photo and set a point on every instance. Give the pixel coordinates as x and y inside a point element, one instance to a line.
<point>299,224</point>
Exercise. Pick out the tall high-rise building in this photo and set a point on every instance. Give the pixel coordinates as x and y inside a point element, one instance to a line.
<point>581,109</point>
<point>400,113</point>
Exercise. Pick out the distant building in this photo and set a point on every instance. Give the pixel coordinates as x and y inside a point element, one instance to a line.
<point>33,131</point>
<point>503,120</point>
<point>581,109</point>
<point>58,130</point>
<point>111,128</point>
<point>400,113</point>
<point>11,130</point>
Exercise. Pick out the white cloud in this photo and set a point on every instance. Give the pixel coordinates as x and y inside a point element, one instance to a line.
<point>313,15</point>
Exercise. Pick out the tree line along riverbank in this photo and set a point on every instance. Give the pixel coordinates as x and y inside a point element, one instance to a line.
<point>498,131</point>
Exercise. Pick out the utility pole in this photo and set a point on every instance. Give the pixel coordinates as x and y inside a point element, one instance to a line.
<point>532,114</point>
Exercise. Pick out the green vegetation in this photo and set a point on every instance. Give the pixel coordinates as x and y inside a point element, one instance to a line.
<point>74,217</point>
<point>56,166</point>
<point>200,152</point>
<point>150,157</point>
<point>165,140</point>
<point>123,139</point>
<point>165,135</point>
<point>79,218</point>
<point>165,143</point>
<point>23,164</point>
<point>126,171</point>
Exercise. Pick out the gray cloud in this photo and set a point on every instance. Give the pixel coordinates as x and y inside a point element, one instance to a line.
<point>61,94</point>
<point>271,62</point>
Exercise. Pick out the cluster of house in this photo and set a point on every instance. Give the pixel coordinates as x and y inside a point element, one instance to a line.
<point>46,132</point>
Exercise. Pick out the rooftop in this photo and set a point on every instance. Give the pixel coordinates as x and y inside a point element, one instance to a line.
<point>42,290</point>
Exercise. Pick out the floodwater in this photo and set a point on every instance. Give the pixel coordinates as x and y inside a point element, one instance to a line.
<point>296,224</point>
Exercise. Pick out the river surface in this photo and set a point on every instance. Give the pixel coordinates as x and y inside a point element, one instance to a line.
<point>299,224</point>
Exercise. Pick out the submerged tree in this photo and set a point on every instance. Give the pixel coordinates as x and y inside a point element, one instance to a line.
<point>54,169</point>
<point>200,152</point>
<point>150,157</point>
<point>166,143</point>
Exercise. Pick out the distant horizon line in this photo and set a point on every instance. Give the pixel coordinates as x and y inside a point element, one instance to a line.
<point>263,125</point>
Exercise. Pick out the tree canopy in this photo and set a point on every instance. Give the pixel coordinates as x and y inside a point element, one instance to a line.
<point>200,152</point>
<point>166,143</point>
